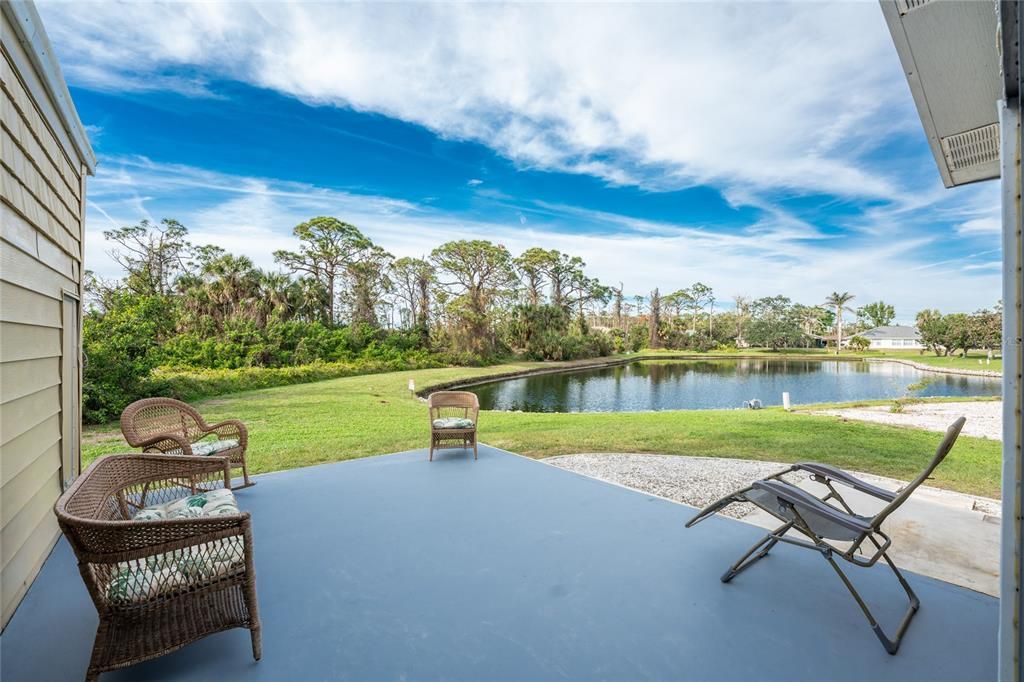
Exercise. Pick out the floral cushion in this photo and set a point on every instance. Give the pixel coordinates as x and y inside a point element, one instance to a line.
<point>208,503</point>
<point>205,448</point>
<point>136,580</point>
<point>453,423</point>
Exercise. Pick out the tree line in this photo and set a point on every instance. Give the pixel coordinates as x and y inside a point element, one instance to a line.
<point>339,297</point>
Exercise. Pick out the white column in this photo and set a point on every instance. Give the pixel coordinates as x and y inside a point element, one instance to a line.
<point>1011,635</point>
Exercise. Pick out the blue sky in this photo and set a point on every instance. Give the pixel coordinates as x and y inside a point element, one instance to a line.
<point>761,149</point>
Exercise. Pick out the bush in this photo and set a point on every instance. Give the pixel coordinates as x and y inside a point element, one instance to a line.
<point>859,344</point>
<point>195,384</point>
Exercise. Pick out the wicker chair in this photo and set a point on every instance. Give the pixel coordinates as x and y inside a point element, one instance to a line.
<point>172,427</point>
<point>160,583</point>
<point>453,418</point>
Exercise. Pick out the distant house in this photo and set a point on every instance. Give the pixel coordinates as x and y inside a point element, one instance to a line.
<point>894,336</point>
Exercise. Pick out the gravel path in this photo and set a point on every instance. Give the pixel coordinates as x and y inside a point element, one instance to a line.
<point>699,481</point>
<point>696,481</point>
<point>984,418</point>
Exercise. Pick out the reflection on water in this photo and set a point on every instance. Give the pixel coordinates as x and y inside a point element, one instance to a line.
<point>708,384</point>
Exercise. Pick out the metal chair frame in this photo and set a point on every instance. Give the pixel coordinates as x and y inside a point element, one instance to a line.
<point>791,501</point>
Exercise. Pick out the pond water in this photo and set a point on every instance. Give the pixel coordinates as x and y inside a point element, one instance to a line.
<point>718,384</point>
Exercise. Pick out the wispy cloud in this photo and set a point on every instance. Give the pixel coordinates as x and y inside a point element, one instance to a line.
<point>640,94</point>
<point>254,216</point>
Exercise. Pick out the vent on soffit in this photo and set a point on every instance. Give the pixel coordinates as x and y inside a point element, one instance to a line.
<point>906,6</point>
<point>972,147</point>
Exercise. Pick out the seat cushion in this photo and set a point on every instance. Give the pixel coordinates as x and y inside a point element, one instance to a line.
<point>453,423</point>
<point>141,579</point>
<point>208,503</point>
<point>205,448</point>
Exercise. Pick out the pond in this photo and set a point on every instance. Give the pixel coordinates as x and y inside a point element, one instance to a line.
<point>722,384</point>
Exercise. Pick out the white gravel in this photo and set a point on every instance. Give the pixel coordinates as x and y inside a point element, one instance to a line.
<point>699,481</point>
<point>696,481</point>
<point>984,418</point>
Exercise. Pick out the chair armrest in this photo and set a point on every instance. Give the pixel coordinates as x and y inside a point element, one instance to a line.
<point>830,473</point>
<point>801,500</point>
<point>229,427</point>
<point>165,442</point>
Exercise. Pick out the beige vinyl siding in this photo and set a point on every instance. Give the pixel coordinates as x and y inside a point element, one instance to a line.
<point>43,184</point>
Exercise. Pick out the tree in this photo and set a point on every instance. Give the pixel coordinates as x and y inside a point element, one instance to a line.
<point>367,274</point>
<point>654,320</point>
<point>742,305</point>
<point>838,302</point>
<point>153,256</point>
<point>617,306</point>
<point>694,299</point>
<point>562,270</point>
<point>774,322</point>
<point>878,314</point>
<point>534,267</point>
<point>933,327</point>
<point>327,246</point>
<point>476,273</point>
<point>413,279</point>
<point>958,333</point>
<point>987,329</point>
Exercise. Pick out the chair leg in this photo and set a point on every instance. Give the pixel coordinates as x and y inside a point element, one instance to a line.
<point>256,634</point>
<point>246,482</point>
<point>474,448</point>
<point>431,459</point>
<point>891,645</point>
<point>768,541</point>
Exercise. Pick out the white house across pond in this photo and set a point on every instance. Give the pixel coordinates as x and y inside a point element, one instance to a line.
<point>894,336</point>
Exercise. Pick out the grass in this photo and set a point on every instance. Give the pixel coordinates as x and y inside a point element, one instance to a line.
<point>926,358</point>
<point>346,418</point>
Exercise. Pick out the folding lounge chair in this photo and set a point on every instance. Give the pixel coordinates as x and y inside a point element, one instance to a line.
<point>815,518</point>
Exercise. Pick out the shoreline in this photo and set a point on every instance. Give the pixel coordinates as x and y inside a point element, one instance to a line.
<point>988,373</point>
<point>601,363</point>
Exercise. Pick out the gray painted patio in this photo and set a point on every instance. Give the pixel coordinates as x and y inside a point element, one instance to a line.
<point>509,569</point>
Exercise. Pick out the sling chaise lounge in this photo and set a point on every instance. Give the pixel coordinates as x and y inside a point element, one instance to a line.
<point>821,522</point>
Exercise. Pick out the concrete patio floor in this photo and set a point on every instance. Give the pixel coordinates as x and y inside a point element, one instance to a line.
<point>507,569</point>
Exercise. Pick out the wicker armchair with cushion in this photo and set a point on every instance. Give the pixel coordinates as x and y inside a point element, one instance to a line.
<point>172,427</point>
<point>165,554</point>
<point>453,416</point>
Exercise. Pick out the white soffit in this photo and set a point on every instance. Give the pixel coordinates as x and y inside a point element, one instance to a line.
<point>950,56</point>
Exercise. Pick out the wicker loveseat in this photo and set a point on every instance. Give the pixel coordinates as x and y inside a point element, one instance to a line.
<point>453,417</point>
<point>164,552</point>
<point>172,427</point>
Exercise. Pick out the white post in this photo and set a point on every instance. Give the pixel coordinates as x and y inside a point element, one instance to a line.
<point>412,386</point>
<point>785,401</point>
<point>1012,553</point>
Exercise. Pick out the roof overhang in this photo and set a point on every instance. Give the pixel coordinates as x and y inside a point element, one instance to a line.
<point>28,29</point>
<point>950,53</point>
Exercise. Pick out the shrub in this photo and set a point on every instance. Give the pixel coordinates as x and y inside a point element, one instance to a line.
<point>859,344</point>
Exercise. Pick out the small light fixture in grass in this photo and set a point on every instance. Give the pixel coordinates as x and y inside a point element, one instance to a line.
<point>412,386</point>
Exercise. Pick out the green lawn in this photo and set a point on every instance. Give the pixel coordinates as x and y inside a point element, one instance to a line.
<point>293,426</point>
<point>926,358</point>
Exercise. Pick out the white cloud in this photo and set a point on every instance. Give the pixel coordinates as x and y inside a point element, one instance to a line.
<point>765,95</point>
<point>254,216</point>
<point>981,226</point>
<point>474,182</point>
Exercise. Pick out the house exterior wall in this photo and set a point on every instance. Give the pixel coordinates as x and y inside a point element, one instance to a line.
<point>42,177</point>
<point>895,344</point>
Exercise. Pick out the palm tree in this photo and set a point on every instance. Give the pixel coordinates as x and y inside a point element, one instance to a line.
<point>839,301</point>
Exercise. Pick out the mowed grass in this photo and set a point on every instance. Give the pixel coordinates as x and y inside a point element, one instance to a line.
<point>339,419</point>
<point>975,360</point>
